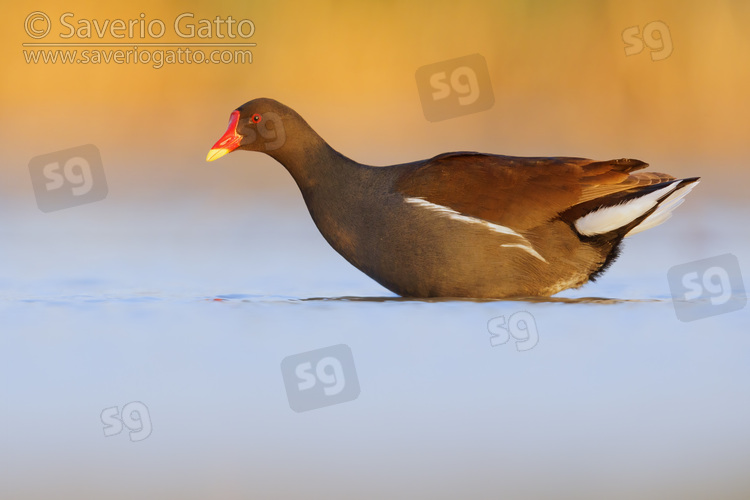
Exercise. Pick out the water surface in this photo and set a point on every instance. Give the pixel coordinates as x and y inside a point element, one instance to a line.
<point>190,312</point>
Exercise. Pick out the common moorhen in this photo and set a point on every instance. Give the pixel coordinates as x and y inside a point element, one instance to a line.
<point>462,224</point>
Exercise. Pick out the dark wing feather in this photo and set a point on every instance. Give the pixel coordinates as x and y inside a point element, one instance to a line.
<point>518,192</point>
<point>638,180</point>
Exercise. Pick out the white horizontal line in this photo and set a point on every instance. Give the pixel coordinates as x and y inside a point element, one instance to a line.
<point>452,214</point>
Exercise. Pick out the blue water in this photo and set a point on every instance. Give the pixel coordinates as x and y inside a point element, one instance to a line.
<point>187,311</point>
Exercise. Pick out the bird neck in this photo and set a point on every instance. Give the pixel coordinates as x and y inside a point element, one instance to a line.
<point>311,161</point>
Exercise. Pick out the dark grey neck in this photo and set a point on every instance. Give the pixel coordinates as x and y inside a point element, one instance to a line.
<point>336,189</point>
<point>313,163</point>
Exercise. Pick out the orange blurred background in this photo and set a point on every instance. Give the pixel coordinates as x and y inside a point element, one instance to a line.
<point>563,85</point>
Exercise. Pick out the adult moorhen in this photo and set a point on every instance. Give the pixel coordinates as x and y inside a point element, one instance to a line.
<point>462,224</point>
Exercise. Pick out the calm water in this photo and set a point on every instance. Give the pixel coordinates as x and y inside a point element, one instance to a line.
<point>185,313</point>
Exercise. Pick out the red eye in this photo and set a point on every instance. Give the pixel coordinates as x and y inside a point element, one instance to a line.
<point>256,118</point>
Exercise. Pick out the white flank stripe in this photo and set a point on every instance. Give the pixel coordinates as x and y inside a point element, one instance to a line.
<point>528,248</point>
<point>452,214</point>
<point>608,219</point>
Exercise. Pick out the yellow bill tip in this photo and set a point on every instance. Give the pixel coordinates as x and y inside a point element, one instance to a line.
<point>215,154</point>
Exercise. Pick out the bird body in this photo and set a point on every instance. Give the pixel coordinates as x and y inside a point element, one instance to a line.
<point>464,224</point>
